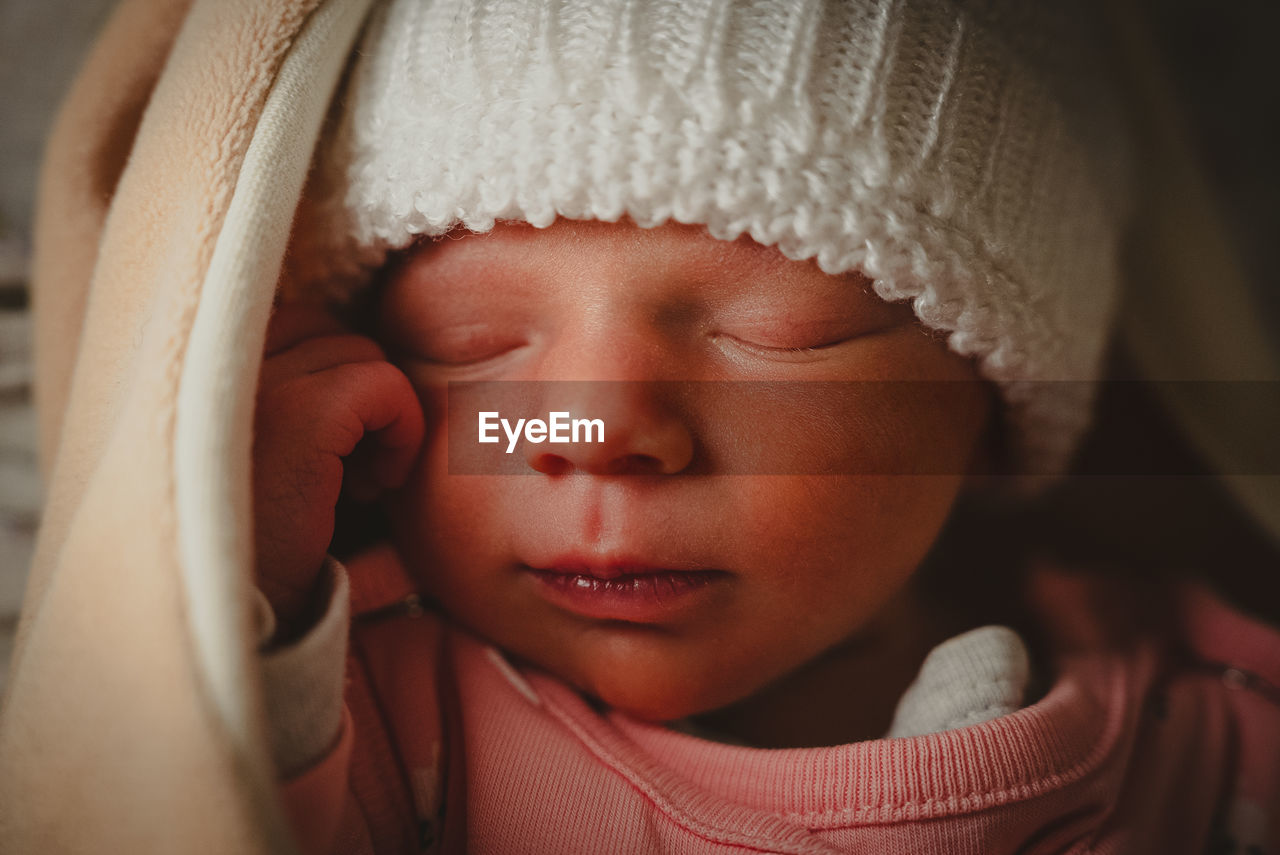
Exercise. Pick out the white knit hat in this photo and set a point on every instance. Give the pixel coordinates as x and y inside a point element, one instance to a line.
<point>964,155</point>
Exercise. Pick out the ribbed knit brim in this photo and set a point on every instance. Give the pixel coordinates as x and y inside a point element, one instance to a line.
<point>965,156</point>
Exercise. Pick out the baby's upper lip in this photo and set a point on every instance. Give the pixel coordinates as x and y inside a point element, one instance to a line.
<point>614,566</point>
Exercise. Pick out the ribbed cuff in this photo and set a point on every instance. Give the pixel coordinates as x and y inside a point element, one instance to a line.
<point>303,681</point>
<point>974,677</point>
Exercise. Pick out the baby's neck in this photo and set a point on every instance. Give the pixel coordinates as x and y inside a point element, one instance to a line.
<point>847,694</point>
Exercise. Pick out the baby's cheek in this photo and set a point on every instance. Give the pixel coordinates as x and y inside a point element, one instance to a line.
<point>837,544</point>
<point>436,516</point>
<point>826,428</point>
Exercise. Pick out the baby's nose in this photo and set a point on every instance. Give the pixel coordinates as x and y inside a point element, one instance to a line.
<point>628,428</point>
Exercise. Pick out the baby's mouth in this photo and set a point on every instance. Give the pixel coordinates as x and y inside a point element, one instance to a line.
<point>623,591</point>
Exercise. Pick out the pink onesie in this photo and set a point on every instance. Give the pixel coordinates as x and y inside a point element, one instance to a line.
<point>1150,739</point>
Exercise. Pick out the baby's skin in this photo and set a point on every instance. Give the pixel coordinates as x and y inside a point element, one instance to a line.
<point>778,606</point>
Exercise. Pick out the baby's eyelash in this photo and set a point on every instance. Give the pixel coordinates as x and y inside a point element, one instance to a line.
<point>786,350</point>
<point>775,351</point>
<point>808,349</point>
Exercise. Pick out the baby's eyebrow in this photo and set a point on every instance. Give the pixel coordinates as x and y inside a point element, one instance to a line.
<point>745,250</point>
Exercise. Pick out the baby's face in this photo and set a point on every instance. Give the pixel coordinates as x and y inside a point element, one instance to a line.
<point>724,533</point>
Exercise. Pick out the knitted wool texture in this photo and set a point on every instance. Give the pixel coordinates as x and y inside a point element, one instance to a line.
<point>963,155</point>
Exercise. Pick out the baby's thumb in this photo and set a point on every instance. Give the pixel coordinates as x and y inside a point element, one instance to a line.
<point>389,427</point>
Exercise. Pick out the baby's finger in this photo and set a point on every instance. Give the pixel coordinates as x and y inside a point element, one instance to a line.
<point>312,355</point>
<point>380,402</point>
<point>294,322</point>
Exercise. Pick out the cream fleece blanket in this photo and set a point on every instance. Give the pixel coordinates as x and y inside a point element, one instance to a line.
<point>132,720</point>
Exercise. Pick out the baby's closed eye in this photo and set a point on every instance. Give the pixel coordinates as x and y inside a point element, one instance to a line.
<point>465,344</point>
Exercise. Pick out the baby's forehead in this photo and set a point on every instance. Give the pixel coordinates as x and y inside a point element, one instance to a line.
<point>678,253</point>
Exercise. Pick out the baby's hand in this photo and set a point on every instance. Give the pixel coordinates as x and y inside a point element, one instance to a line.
<point>321,391</point>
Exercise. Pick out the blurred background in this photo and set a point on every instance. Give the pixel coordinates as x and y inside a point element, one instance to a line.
<point>41,45</point>
<point>1220,64</point>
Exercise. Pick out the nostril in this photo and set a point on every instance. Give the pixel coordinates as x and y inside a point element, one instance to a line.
<point>634,464</point>
<point>550,464</point>
<point>625,464</point>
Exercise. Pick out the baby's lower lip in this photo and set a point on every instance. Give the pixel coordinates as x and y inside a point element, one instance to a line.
<point>650,595</point>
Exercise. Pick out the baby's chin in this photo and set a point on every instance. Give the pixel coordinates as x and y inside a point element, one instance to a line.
<point>658,701</point>
<point>650,686</point>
